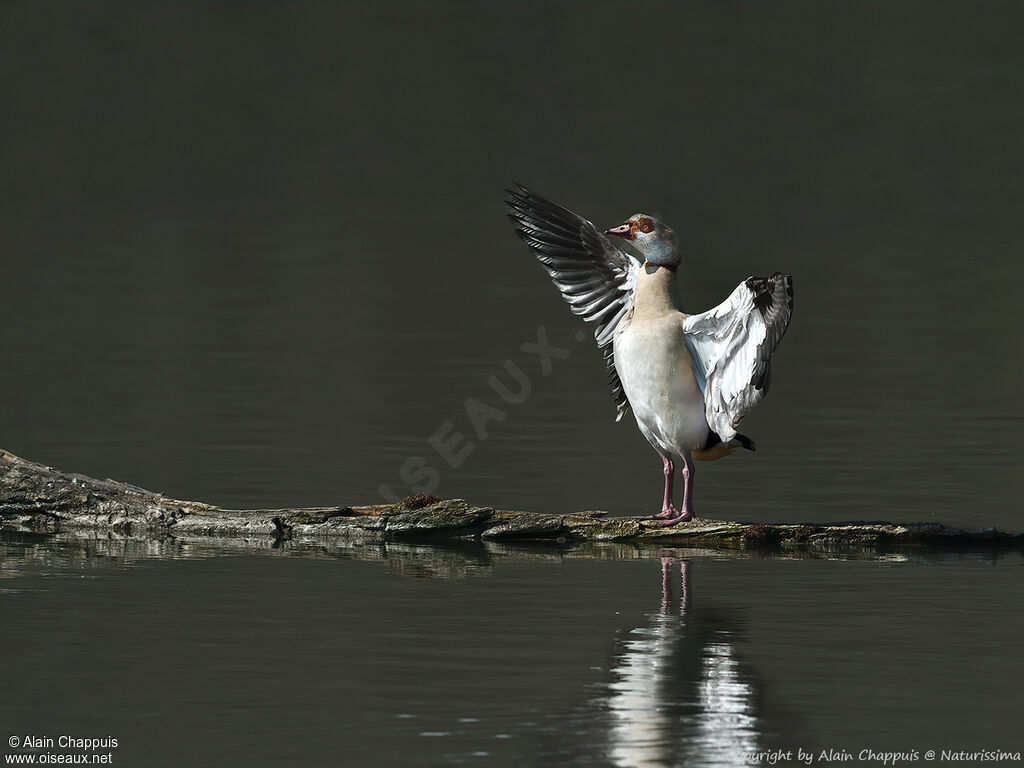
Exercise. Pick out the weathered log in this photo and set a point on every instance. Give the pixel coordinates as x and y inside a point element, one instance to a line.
<point>34,497</point>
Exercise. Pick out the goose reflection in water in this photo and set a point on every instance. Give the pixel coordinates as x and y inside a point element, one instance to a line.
<point>680,695</point>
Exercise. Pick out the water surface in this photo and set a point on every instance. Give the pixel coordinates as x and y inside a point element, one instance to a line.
<point>497,655</point>
<point>257,254</point>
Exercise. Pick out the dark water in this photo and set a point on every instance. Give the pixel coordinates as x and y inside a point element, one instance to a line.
<point>256,254</point>
<point>484,655</point>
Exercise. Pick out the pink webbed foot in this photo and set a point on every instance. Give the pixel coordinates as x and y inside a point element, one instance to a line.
<point>685,517</point>
<point>667,513</point>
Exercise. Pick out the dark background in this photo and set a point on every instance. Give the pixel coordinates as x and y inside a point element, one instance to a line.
<point>255,253</point>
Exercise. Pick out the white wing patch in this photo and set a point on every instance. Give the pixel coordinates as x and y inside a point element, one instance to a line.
<point>731,346</point>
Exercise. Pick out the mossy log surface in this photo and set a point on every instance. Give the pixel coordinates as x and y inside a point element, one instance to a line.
<point>34,497</point>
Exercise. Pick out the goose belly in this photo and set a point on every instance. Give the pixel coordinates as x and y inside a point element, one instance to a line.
<point>654,366</point>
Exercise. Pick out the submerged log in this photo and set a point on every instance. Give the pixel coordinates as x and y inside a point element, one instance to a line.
<point>35,497</point>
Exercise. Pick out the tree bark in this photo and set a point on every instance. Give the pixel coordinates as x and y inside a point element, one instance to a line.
<point>34,497</point>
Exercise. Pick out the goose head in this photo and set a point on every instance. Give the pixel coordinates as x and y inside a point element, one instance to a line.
<point>655,241</point>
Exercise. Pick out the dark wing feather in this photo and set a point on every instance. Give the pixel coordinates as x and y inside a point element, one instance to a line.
<point>596,278</point>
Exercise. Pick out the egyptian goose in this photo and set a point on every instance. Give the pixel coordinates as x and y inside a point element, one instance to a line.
<point>689,379</point>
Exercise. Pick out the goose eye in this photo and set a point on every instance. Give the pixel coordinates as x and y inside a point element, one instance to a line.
<point>646,225</point>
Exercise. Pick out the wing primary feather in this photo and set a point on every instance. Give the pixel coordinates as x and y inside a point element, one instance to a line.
<point>595,278</point>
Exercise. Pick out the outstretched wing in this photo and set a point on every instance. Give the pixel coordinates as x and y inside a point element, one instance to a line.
<point>732,344</point>
<point>595,278</point>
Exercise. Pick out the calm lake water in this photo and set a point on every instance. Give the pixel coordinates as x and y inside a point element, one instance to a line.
<point>256,254</point>
<point>487,655</point>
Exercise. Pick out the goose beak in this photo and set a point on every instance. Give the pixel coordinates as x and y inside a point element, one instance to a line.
<point>623,230</point>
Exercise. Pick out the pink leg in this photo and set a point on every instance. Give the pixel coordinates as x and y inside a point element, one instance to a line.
<point>687,511</point>
<point>668,509</point>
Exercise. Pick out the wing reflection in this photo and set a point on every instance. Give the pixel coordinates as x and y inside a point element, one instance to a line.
<point>680,694</point>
